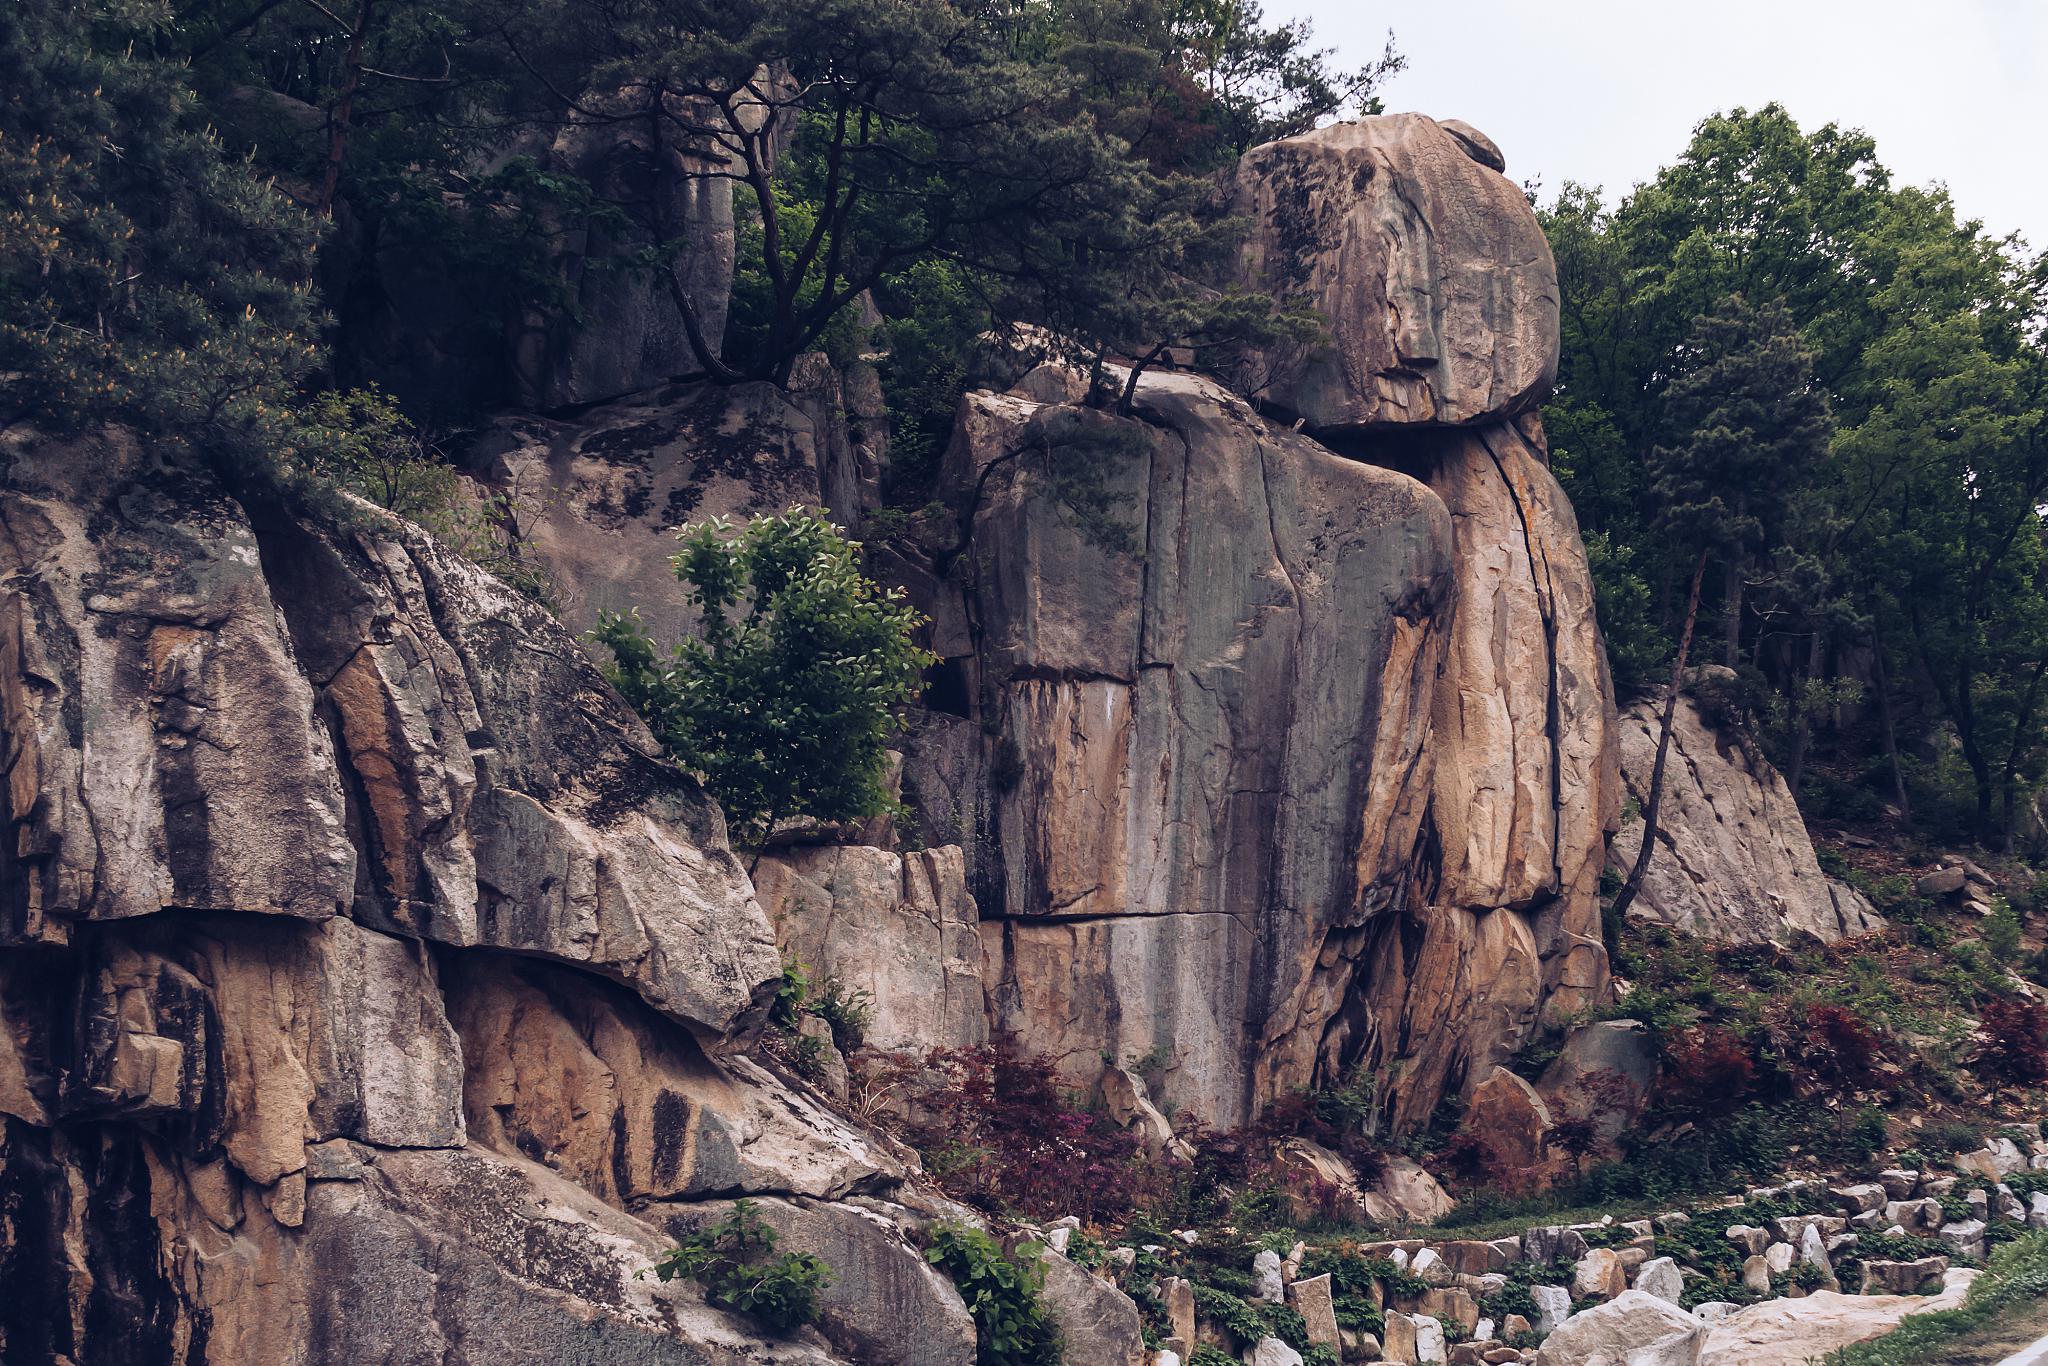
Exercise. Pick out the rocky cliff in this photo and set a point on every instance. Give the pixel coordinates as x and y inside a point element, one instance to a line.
<point>374,992</point>
<point>351,1016</point>
<point>1303,766</point>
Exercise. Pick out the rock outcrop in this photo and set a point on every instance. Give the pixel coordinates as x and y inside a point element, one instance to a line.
<point>1736,864</point>
<point>350,1015</point>
<point>1437,281</point>
<point>601,496</point>
<point>1291,759</point>
<point>1311,774</point>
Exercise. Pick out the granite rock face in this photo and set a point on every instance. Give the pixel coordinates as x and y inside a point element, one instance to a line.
<point>1217,728</point>
<point>346,1013</point>
<point>1321,748</point>
<point>900,926</point>
<point>604,493</point>
<point>1736,864</point>
<point>1427,262</point>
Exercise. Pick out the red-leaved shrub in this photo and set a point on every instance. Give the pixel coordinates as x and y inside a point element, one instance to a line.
<point>1838,1045</point>
<point>998,1128</point>
<point>2014,1040</point>
<point>1708,1071</point>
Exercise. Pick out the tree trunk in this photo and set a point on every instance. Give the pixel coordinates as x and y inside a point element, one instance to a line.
<point>1731,612</point>
<point>1634,883</point>
<point>1891,738</point>
<point>1802,724</point>
<point>344,109</point>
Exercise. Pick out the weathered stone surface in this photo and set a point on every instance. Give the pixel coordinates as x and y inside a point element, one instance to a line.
<point>271,860</point>
<point>1604,1072</point>
<point>1660,1277</point>
<point>901,927</point>
<point>1599,1274</point>
<point>1734,864</point>
<point>629,1109</point>
<point>625,330</point>
<point>1900,1278</point>
<point>161,743</point>
<point>1791,1332</point>
<point>1272,1352</point>
<point>1311,1298</point>
<point>1553,1305</point>
<point>1267,1282</point>
<point>884,1303</point>
<point>264,1036</point>
<point>1437,282</point>
<point>1161,888</point>
<point>603,494</point>
<point>1634,1329</point>
<point>1506,1113</point>
<point>1096,1321</point>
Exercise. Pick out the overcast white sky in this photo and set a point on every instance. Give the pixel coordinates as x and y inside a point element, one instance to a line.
<point>1606,91</point>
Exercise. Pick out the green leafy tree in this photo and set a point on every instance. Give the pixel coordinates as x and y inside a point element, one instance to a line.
<point>786,699</point>
<point>1754,415</point>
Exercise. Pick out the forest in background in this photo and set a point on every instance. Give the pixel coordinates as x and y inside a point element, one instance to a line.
<point>1836,388</point>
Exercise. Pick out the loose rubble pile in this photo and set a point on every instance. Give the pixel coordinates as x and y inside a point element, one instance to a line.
<point>1713,1286</point>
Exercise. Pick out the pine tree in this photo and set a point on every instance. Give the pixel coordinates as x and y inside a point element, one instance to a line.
<point>1754,425</point>
<point>147,274</point>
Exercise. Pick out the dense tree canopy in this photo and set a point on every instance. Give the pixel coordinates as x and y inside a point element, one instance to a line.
<point>1893,571</point>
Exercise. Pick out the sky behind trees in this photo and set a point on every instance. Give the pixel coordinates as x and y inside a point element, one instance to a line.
<point>1605,91</point>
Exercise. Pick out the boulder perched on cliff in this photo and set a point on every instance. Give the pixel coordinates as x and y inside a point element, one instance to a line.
<point>1734,862</point>
<point>1429,264</point>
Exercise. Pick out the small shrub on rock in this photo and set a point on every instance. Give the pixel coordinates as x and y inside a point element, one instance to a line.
<point>1001,1293</point>
<point>734,1260</point>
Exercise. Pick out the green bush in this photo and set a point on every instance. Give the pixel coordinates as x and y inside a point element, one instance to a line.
<point>1010,1324</point>
<point>734,1260</point>
<point>787,701</point>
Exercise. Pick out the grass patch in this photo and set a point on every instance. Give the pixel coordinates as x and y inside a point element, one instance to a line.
<point>2017,1275</point>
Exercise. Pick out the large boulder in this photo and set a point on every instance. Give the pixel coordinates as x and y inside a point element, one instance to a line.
<point>1734,863</point>
<point>1429,264</point>
<point>1277,693</point>
<point>1791,1332</point>
<point>1635,1328</point>
<point>1216,734</point>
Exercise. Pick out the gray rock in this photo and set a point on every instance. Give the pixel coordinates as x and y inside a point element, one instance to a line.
<point>1898,1183</point>
<point>1273,1352</point>
<point>2037,1210</point>
<point>1553,1243</point>
<point>1553,1305</point>
<point>1267,1282</point>
<point>1738,869</point>
<point>1713,1311</point>
<point>1096,1321</point>
<point>1634,1329</point>
<point>1859,1198</point>
<point>1477,145</point>
<point>1966,1236</point>
<point>1941,882</point>
<point>1440,290</point>
<point>1900,1278</point>
<point>1756,1275</point>
<point>1660,1277</point>
<point>1750,1240</point>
